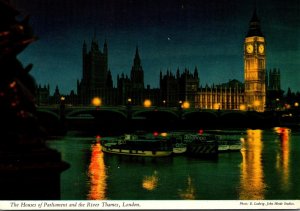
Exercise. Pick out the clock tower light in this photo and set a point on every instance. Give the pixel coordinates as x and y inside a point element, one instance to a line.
<point>255,66</point>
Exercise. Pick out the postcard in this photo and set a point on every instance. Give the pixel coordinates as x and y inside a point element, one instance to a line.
<point>149,104</point>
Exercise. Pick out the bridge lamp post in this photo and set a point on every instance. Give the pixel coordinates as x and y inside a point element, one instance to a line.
<point>180,109</point>
<point>128,107</point>
<point>96,101</point>
<point>164,103</point>
<point>62,108</point>
<point>243,107</point>
<point>217,106</point>
<point>256,103</point>
<point>62,99</point>
<point>180,104</point>
<point>186,105</point>
<point>277,103</point>
<point>147,103</point>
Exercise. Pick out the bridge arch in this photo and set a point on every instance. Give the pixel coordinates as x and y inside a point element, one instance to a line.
<point>97,113</point>
<point>196,119</point>
<point>256,119</point>
<point>156,119</point>
<point>157,114</point>
<point>233,119</point>
<point>107,114</point>
<point>47,113</point>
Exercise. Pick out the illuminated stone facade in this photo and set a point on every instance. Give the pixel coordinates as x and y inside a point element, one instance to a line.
<point>227,96</point>
<point>255,67</point>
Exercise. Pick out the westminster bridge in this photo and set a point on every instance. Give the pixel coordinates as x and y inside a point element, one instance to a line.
<point>126,118</point>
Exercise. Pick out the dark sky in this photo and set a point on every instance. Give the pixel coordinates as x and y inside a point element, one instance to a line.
<point>170,34</point>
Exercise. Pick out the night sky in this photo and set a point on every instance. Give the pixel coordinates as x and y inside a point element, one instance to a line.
<point>173,34</point>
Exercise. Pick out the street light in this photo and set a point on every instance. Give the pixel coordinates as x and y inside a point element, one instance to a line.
<point>62,108</point>
<point>256,103</point>
<point>186,105</point>
<point>96,101</point>
<point>242,107</point>
<point>62,98</point>
<point>147,103</point>
<point>217,106</point>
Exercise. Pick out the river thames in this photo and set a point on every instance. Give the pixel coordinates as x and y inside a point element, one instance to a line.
<point>266,168</point>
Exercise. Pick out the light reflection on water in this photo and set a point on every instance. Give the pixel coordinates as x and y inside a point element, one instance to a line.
<point>97,174</point>
<point>150,182</point>
<point>261,170</point>
<point>189,192</point>
<point>252,185</point>
<point>283,158</point>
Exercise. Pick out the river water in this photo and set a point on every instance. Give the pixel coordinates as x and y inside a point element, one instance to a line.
<point>267,167</point>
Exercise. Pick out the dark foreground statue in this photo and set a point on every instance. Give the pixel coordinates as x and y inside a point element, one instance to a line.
<point>28,169</point>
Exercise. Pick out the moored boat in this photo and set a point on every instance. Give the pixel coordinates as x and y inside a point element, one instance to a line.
<point>229,145</point>
<point>134,145</point>
<point>193,144</point>
<point>228,140</point>
<point>178,145</point>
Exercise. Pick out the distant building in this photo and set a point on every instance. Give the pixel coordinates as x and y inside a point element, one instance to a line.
<point>131,90</point>
<point>261,90</point>
<point>96,77</point>
<point>274,92</point>
<point>273,80</point>
<point>43,95</point>
<point>175,89</point>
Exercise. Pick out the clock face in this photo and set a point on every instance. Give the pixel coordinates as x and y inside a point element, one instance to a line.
<point>249,48</point>
<point>261,48</point>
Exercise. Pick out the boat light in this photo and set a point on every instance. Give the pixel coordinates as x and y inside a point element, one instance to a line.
<point>164,134</point>
<point>200,131</point>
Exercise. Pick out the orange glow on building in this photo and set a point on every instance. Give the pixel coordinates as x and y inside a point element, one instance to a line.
<point>150,182</point>
<point>252,185</point>
<point>97,174</point>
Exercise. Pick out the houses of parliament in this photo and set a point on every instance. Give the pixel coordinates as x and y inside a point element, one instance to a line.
<point>258,91</point>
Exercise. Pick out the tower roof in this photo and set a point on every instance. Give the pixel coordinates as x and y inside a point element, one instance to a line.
<point>254,27</point>
<point>137,60</point>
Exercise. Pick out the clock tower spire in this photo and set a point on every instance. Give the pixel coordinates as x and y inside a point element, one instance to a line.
<point>255,66</point>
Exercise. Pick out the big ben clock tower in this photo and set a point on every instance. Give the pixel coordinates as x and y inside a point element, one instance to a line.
<point>255,66</point>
